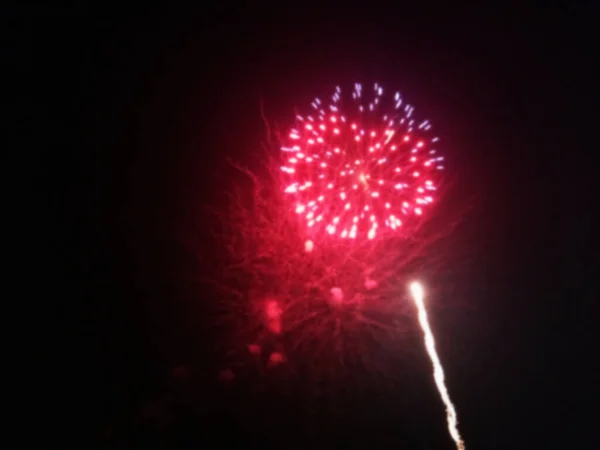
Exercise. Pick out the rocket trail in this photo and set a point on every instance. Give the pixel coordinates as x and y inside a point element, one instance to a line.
<point>416,290</point>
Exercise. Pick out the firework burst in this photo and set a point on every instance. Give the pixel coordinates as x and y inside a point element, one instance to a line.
<point>320,246</point>
<point>321,243</point>
<point>361,167</point>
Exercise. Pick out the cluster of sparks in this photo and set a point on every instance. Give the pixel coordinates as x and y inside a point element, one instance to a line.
<point>356,169</point>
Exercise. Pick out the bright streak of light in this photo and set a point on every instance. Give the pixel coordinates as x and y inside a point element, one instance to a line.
<point>416,290</point>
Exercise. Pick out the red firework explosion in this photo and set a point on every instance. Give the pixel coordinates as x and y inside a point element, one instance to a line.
<point>357,168</point>
<point>352,172</point>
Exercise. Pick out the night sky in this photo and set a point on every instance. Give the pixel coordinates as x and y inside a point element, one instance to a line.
<point>128,118</point>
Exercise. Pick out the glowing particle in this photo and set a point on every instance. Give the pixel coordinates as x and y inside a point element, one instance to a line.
<point>254,349</point>
<point>337,296</point>
<point>308,246</point>
<point>276,358</point>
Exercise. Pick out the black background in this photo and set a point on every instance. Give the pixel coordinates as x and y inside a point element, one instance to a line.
<point>124,121</point>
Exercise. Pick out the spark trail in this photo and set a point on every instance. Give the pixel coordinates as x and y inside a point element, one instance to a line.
<point>438,372</point>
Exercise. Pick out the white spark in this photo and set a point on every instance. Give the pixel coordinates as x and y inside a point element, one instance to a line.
<point>438,372</point>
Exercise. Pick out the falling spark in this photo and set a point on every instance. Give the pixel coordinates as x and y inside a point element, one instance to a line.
<point>438,372</point>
